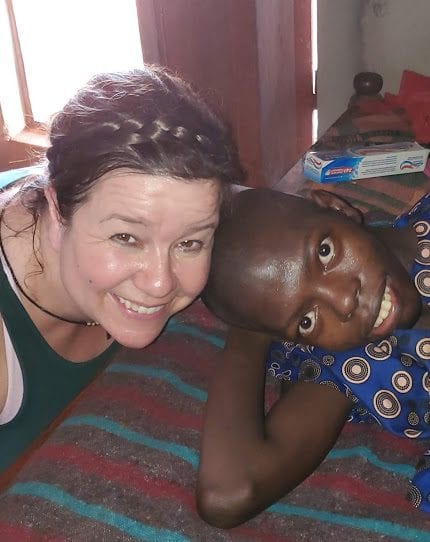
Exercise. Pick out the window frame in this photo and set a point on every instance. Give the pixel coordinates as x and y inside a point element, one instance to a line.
<point>34,133</point>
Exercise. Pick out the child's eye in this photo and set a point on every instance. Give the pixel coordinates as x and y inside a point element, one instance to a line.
<point>307,323</point>
<point>326,251</point>
<point>190,245</point>
<point>124,238</point>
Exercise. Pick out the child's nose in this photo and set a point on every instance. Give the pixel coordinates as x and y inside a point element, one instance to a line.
<point>341,294</point>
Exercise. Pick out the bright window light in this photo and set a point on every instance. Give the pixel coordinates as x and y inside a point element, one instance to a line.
<point>65,42</point>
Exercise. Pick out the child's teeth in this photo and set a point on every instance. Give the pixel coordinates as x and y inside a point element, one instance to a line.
<point>386,305</point>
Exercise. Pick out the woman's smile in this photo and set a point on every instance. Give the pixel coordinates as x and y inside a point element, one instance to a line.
<point>138,308</point>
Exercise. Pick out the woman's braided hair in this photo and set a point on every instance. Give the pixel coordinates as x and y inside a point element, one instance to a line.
<point>147,120</point>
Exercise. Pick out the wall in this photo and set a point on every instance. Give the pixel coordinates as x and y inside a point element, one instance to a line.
<point>340,56</point>
<point>285,83</point>
<point>242,54</point>
<point>396,36</point>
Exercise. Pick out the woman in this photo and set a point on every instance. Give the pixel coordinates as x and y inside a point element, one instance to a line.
<point>110,243</point>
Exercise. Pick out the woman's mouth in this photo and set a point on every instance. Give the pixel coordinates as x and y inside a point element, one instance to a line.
<point>140,309</point>
<point>384,322</point>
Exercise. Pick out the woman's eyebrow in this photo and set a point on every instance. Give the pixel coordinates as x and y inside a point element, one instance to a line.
<point>124,218</point>
<point>200,227</point>
<point>142,222</point>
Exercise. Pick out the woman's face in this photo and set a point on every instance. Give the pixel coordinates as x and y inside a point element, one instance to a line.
<point>138,251</point>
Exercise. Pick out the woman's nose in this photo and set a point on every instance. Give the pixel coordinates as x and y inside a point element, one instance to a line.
<point>155,276</point>
<point>341,294</point>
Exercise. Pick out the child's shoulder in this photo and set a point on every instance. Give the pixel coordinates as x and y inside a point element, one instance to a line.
<point>420,212</point>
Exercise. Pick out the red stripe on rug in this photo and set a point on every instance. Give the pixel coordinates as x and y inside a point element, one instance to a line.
<point>19,533</point>
<point>130,476</point>
<point>258,536</point>
<point>358,490</point>
<point>107,469</point>
<point>382,439</point>
<point>135,399</point>
<point>188,357</point>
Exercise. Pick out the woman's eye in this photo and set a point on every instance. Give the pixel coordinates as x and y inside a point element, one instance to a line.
<point>307,323</point>
<point>190,245</point>
<point>326,251</point>
<point>124,238</point>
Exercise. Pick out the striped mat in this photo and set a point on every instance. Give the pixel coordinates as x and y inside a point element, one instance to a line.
<point>122,466</point>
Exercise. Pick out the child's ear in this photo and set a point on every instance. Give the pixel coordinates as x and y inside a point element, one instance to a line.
<point>328,200</point>
<point>56,226</point>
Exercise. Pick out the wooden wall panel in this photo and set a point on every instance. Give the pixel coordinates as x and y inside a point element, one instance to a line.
<point>14,155</point>
<point>213,45</point>
<point>250,56</point>
<point>276,64</point>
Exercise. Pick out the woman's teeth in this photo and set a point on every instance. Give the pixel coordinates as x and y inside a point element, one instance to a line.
<point>385,309</point>
<point>139,308</point>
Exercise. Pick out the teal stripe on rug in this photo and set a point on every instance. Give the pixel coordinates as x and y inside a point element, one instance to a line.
<point>362,451</point>
<point>191,456</point>
<point>162,374</point>
<point>184,452</point>
<point>96,512</point>
<point>386,528</point>
<point>194,331</point>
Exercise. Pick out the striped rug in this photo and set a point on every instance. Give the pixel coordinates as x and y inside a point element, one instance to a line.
<point>122,466</point>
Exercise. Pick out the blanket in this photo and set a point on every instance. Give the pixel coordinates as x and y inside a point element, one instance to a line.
<point>122,465</point>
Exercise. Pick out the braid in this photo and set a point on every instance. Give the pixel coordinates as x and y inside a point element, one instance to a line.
<point>147,120</point>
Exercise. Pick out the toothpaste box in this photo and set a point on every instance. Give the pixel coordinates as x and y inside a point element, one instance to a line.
<point>360,162</point>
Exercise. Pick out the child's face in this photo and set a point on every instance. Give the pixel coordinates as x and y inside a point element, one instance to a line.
<point>334,284</point>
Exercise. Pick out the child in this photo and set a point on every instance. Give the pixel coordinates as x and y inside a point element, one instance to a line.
<point>310,271</point>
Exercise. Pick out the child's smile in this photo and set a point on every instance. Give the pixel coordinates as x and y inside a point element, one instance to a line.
<point>319,276</point>
<point>388,314</point>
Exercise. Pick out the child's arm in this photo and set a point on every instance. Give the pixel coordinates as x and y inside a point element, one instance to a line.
<point>248,461</point>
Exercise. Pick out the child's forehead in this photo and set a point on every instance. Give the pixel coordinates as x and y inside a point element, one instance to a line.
<point>296,223</point>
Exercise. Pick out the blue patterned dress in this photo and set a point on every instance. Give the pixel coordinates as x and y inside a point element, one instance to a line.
<point>388,381</point>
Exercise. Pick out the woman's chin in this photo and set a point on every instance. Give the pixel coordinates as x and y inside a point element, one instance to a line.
<point>135,340</point>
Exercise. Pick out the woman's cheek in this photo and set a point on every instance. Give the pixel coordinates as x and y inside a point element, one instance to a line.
<point>102,266</point>
<point>195,275</point>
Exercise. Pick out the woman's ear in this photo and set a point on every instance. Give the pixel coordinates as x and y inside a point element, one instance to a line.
<point>328,200</point>
<point>55,223</point>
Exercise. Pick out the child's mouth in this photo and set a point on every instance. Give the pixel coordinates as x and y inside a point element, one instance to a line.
<point>384,320</point>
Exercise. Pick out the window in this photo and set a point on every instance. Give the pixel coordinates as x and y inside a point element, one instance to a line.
<point>314,45</point>
<point>49,48</point>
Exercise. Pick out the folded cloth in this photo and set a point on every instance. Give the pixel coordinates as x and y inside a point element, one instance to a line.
<point>414,98</point>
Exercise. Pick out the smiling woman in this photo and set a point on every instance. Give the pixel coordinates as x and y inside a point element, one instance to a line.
<point>110,240</point>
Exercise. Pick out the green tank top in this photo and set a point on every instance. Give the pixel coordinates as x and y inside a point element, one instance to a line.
<point>50,381</point>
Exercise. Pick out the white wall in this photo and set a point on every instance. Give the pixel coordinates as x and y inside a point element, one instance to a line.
<point>340,56</point>
<point>386,36</point>
<point>396,36</point>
